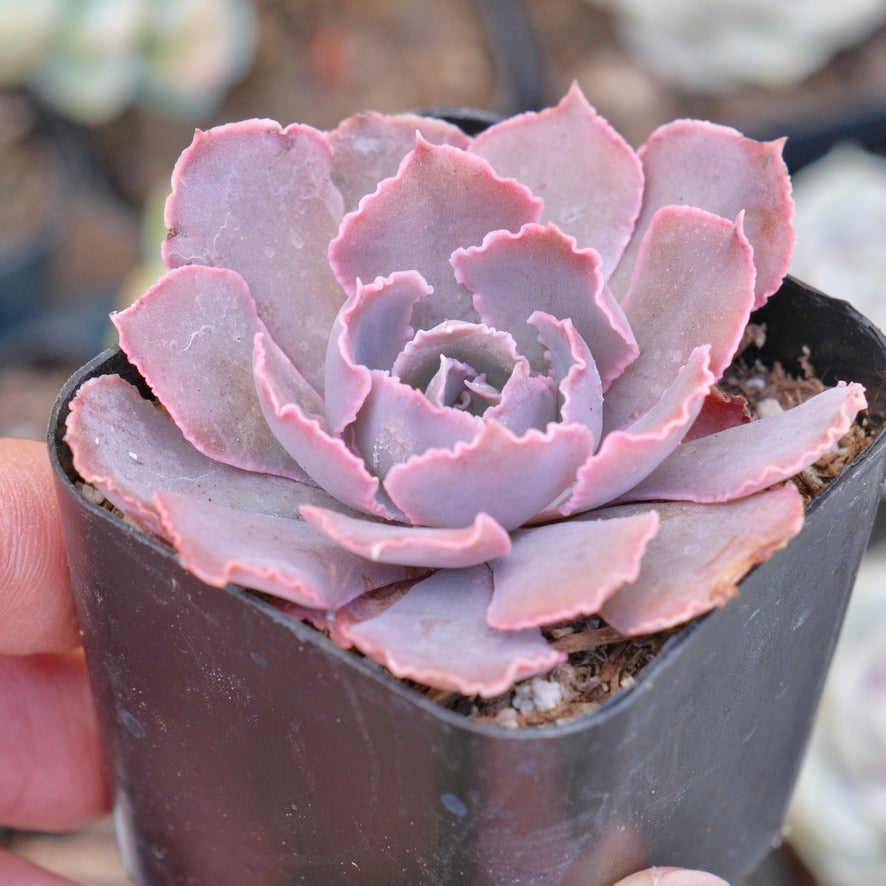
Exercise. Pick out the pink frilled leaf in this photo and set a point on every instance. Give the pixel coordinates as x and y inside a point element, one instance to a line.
<point>671,877</point>
<point>437,635</point>
<point>483,540</point>
<point>441,199</point>
<point>574,370</point>
<point>282,556</point>
<point>745,459</point>
<point>510,478</point>
<point>369,332</point>
<point>128,448</point>
<point>590,179</point>
<point>719,412</point>
<point>368,148</point>
<point>694,286</point>
<point>258,198</point>
<point>301,428</point>
<point>717,169</point>
<point>564,570</point>
<point>699,555</point>
<point>539,268</point>
<point>527,401</point>
<point>200,365</point>
<point>398,422</point>
<point>625,457</point>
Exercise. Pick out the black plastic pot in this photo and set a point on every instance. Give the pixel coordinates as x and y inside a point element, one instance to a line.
<point>248,750</point>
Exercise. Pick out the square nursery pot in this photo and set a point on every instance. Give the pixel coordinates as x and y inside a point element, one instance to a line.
<point>246,749</point>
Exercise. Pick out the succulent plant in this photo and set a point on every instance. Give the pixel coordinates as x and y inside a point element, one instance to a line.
<point>439,392</point>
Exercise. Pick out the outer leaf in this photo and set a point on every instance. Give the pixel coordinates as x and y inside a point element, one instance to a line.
<point>437,634</point>
<point>745,459</point>
<point>694,285</point>
<point>281,556</point>
<point>483,540</point>
<point>539,268</point>
<point>700,554</point>
<point>441,199</point>
<point>128,448</point>
<point>717,169</point>
<point>590,179</point>
<point>305,435</point>
<point>560,571</point>
<point>200,367</point>
<point>258,198</point>
<point>369,332</point>
<point>449,488</point>
<point>369,147</point>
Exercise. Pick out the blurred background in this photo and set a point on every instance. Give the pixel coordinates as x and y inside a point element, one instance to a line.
<point>99,97</point>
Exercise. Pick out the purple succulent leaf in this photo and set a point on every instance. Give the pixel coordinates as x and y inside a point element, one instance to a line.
<point>626,456</point>
<point>703,264</point>
<point>368,148</point>
<point>200,367</point>
<point>590,179</point>
<point>717,169</point>
<point>560,571</point>
<point>128,448</point>
<point>539,268</point>
<point>574,370</point>
<point>441,199</point>
<point>747,458</point>
<point>450,487</point>
<point>456,548</point>
<point>278,555</point>
<point>527,401</point>
<point>305,435</point>
<point>259,199</point>
<point>368,333</point>
<point>437,634</point>
<point>700,553</point>
<point>398,422</point>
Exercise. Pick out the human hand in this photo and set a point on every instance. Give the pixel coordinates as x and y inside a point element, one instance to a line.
<point>50,758</point>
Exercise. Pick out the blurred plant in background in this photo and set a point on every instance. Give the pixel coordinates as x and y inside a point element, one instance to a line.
<point>716,46</point>
<point>89,59</point>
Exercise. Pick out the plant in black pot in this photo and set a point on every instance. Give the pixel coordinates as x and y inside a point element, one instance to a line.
<point>451,408</point>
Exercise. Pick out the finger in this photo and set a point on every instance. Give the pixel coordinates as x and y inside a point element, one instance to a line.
<point>36,606</point>
<point>18,872</point>
<point>51,773</point>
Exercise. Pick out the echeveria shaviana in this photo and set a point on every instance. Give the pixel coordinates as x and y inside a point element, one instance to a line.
<point>441,391</point>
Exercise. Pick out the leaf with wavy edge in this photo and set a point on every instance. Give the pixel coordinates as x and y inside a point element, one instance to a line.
<point>278,555</point>
<point>557,572</point>
<point>200,367</point>
<point>368,333</point>
<point>747,458</point>
<point>625,457</point>
<point>437,634</point>
<point>398,422</point>
<point>699,555</point>
<point>694,285</point>
<point>540,268</point>
<point>441,199</point>
<point>594,187</point>
<point>717,169</point>
<point>129,448</point>
<point>259,199</point>
<point>304,434</point>
<point>574,371</point>
<point>471,545</point>
<point>369,147</point>
<point>510,478</point>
